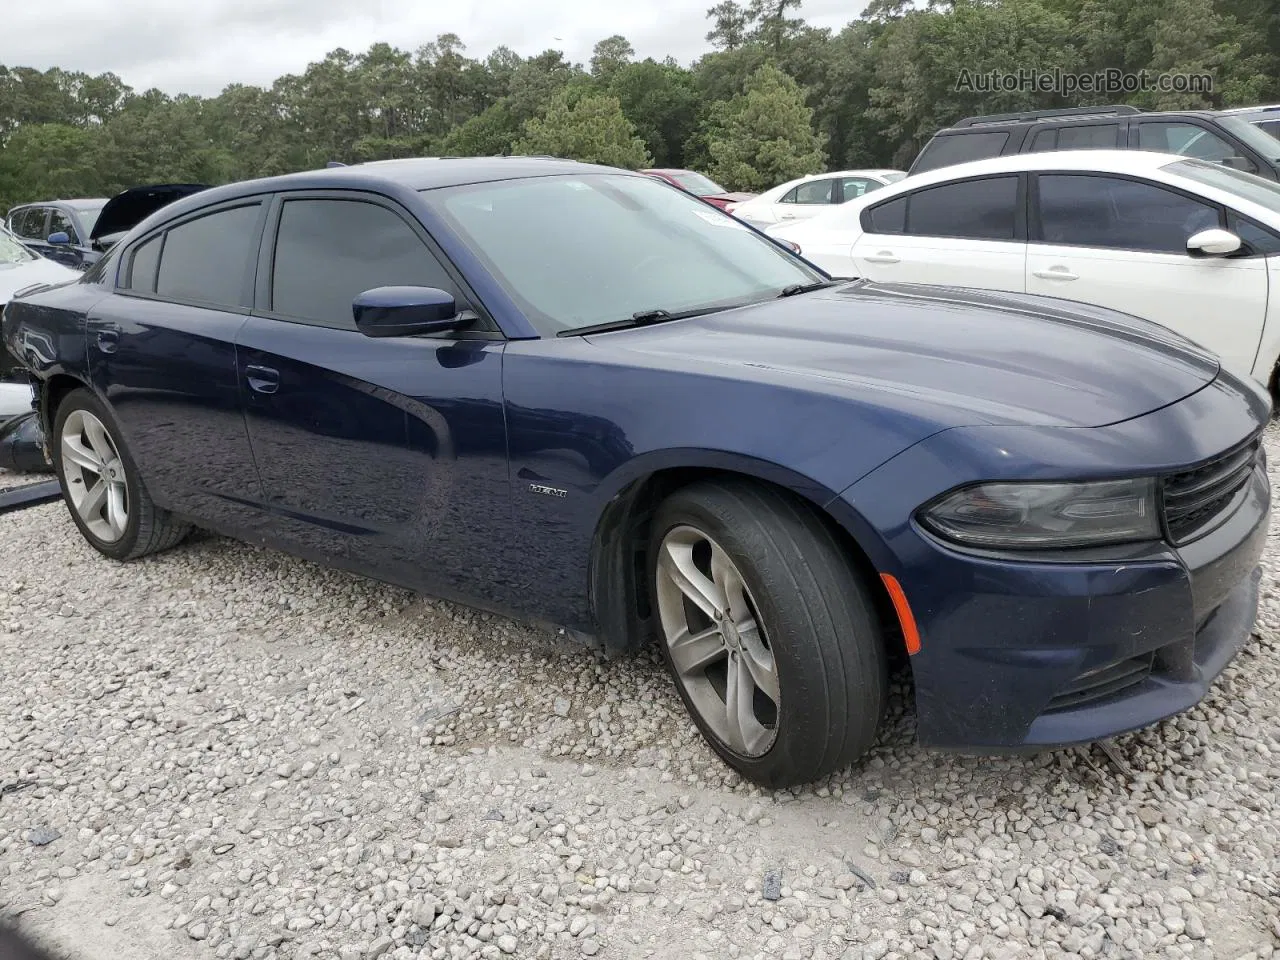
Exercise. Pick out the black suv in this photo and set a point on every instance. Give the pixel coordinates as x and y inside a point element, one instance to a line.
<point>1215,135</point>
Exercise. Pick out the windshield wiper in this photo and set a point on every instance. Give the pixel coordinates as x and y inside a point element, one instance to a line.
<point>641,318</point>
<point>795,288</point>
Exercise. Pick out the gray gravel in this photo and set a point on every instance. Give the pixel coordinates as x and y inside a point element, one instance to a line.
<point>224,752</point>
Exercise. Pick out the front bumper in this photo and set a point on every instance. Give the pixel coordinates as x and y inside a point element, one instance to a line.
<point>1036,656</point>
<point>1017,653</point>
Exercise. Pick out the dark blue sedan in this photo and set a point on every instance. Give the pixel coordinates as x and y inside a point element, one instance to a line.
<point>582,397</point>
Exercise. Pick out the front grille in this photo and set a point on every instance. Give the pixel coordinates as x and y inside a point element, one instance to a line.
<point>1197,501</point>
<point>1103,682</point>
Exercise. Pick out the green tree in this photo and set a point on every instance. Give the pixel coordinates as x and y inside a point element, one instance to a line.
<point>592,129</point>
<point>730,23</point>
<point>48,160</point>
<point>659,98</point>
<point>610,55</point>
<point>764,136</point>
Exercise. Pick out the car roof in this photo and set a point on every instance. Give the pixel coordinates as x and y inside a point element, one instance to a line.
<point>1102,161</point>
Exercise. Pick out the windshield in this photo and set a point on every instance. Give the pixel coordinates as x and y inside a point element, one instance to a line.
<point>88,213</point>
<point>698,185</point>
<point>11,251</point>
<point>574,251</point>
<point>1265,193</point>
<point>1259,140</point>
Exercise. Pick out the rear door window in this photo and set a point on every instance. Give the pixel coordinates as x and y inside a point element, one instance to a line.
<point>983,209</point>
<point>1077,136</point>
<point>943,151</point>
<point>888,217</point>
<point>207,260</point>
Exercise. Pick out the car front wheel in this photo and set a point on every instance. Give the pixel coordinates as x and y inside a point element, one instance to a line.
<point>768,631</point>
<point>101,485</point>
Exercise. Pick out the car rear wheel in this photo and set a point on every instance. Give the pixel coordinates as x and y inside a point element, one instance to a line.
<point>101,485</point>
<point>767,630</point>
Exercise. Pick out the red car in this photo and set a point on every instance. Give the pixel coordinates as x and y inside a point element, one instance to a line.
<point>701,187</point>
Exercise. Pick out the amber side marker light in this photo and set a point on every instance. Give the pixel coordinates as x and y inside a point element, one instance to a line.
<point>905,617</point>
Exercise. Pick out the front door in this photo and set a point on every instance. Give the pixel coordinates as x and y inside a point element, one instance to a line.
<point>1122,243</point>
<point>387,456</point>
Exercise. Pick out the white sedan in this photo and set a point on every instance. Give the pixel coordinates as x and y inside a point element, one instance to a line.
<point>20,268</point>
<point>811,195</point>
<point>1191,245</point>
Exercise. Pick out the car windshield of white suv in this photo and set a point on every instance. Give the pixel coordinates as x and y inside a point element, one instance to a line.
<point>11,251</point>
<point>574,251</point>
<point>1265,193</point>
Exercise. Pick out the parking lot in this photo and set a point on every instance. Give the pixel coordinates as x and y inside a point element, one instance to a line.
<point>223,751</point>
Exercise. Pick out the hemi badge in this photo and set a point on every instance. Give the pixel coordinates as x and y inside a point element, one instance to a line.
<point>548,491</point>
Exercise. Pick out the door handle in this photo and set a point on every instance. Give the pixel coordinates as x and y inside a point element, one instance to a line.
<point>1055,273</point>
<point>262,379</point>
<point>884,256</point>
<point>787,216</point>
<point>108,340</point>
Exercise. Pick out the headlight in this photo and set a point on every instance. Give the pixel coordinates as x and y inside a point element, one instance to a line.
<point>1040,516</point>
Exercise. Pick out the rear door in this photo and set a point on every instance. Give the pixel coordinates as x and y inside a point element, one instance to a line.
<point>387,456</point>
<point>1121,242</point>
<point>808,199</point>
<point>968,233</point>
<point>162,351</point>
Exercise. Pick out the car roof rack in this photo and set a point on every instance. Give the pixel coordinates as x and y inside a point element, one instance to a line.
<point>1031,116</point>
<point>1261,108</point>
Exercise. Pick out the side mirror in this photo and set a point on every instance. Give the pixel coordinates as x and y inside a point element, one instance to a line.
<point>59,239</point>
<point>1213,243</point>
<point>405,311</point>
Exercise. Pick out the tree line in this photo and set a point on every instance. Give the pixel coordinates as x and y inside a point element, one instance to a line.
<point>775,97</point>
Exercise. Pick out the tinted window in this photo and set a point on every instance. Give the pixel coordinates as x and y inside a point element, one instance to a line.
<point>973,209</point>
<point>960,148</point>
<point>1121,214</point>
<point>60,221</point>
<point>1189,140</point>
<point>790,195</point>
<point>142,266</point>
<point>208,259</point>
<point>888,217</point>
<point>1259,240</point>
<point>330,251</point>
<point>1090,136</point>
<point>1044,140</point>
<point>1270,126</point>
<point>816,191</point>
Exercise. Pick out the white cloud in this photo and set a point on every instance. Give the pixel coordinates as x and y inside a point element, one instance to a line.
<point>200,46</point>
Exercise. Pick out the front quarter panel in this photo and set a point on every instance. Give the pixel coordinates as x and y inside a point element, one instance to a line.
<point>582,431</point>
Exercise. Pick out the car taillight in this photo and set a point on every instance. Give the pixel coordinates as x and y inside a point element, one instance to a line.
<point>730,207</point>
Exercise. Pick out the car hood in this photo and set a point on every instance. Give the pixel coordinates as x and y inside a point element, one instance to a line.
<point>963,357</point>
<point>125,210</point>
<point>16,276</point>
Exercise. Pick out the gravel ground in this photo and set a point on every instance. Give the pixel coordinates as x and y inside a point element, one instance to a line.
<point>224,752</point>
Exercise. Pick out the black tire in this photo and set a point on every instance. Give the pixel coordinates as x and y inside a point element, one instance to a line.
<point>818,618</point>
<point>149,528</point>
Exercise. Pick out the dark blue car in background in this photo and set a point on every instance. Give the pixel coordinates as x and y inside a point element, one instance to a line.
<point>582,397</point>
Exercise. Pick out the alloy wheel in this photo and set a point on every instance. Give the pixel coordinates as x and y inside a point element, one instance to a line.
<point>94,476</point>
<point>716,643</point>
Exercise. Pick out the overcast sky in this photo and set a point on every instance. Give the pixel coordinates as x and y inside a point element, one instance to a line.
<point>199,46</point>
